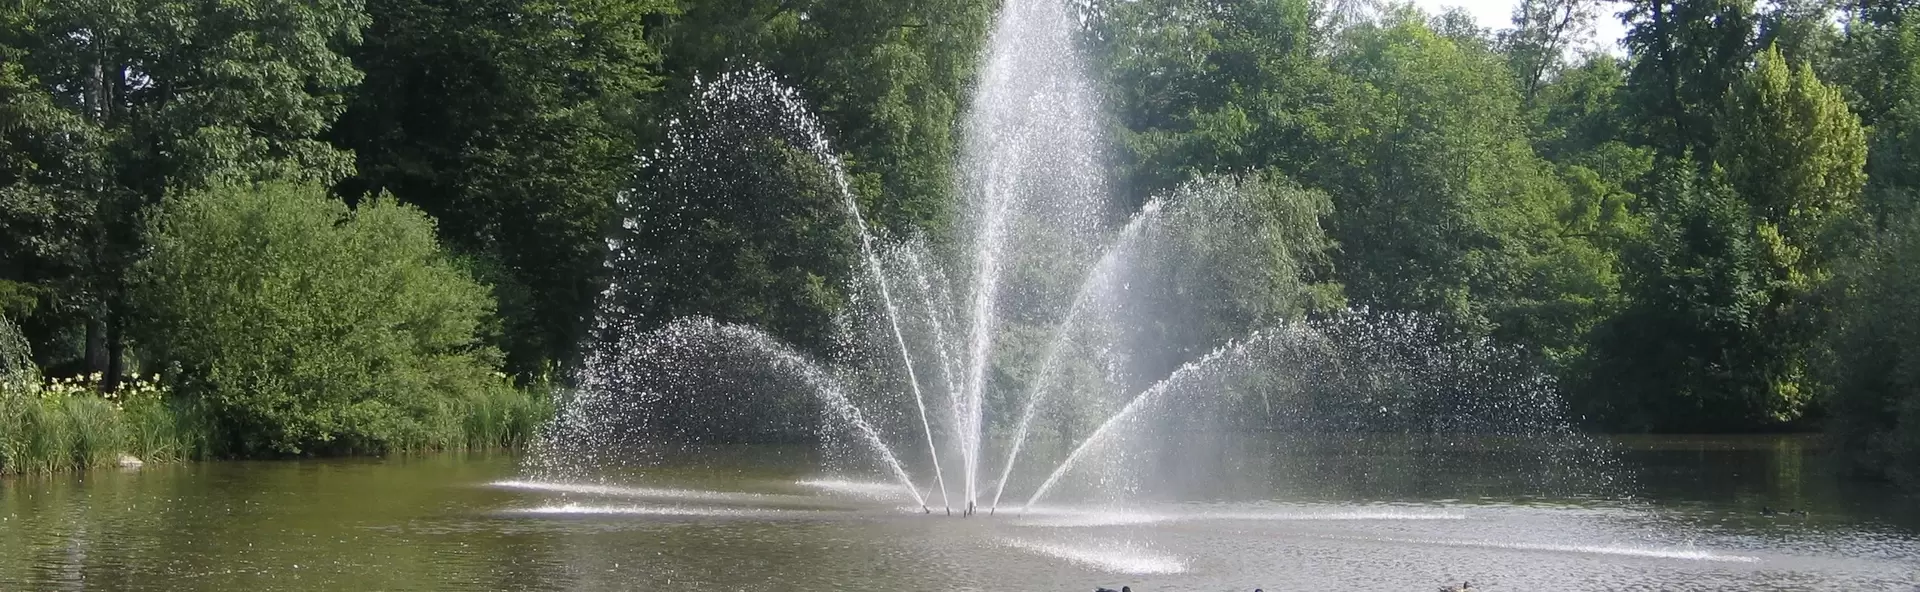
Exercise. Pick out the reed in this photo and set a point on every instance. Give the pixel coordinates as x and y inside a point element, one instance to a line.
<point>68,424</point>
<point>505,416</point>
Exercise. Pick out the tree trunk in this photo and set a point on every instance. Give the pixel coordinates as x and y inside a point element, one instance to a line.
<point>96,340</point>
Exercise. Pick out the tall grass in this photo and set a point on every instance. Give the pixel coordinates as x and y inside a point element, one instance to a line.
<point>34,437</point>
<point>66,424</point>
<point>505,416</point>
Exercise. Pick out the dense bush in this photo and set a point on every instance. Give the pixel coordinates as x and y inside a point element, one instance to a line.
<point>1875,367</point>
<point>300,326</point>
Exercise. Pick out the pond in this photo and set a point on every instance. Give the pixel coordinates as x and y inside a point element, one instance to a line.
<point>1688,517</point>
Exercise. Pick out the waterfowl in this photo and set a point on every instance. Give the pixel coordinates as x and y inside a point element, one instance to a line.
<point>1463,587</point>
<point>1122,589</point>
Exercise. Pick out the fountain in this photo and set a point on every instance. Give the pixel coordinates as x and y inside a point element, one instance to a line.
<point>1029,349</point>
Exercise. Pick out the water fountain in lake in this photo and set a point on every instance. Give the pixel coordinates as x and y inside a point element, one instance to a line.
<point>1051,351</point>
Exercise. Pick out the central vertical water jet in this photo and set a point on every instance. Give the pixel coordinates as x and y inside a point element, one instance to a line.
<point>1030,167</point>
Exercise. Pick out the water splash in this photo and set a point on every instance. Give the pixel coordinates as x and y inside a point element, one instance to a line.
<point>1102,278</point>
<point>662,511</point>
<point>760,86</point>
<point>1110,558</point>
<point>1685,554</point>
<point>1209,363</point>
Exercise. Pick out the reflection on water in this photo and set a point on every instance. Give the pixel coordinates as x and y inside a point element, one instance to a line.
<point>1685,515</point>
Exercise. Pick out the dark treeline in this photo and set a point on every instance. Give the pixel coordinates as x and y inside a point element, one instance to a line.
<point>1710,231</point>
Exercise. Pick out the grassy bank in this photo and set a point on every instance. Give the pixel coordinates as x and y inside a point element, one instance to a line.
<point>64,424</point>
<point>68,424</point>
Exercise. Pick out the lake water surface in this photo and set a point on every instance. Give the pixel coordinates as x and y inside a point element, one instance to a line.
<point>1687,516</point>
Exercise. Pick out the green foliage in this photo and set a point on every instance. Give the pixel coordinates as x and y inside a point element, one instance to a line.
<point>1203,88</point>
<point>781,264</point>
<point>1803,31</point>
<point>1580,110</point>
<point>888,77</point>
<point>507,121</point>
<point>109,105</point>
<point>65,424</point>
<point>1729,283</point>
<point>1229,253</point>
<point>1543,33</point>
<point>1874,362</point>
<point>1793,150</point>
<point>1688,352</point>
<point>1687,55</point>
<point>1879,69</point>
<point>16,356</point>
<point>342,330</point>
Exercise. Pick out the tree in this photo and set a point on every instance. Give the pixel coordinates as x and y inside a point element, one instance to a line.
<point>1543,33</point>
<point>116,103</point>
<point>508,121</point>
<point>1791,147</point>
<point>1227,254</point>
<point>1442,206</point>
<point>1878,65</point>
<point>887,77</point>
<point>736,220</point>
<point>1874,358</point>
<point>1795,153</point>
<point>1803,31</point>
<point>1419,139</point>
<point>1205,87</point>
<point>1580,109</point>
<point>1686,56</point>
<point>1731,282</point>
<point>1689,352</point>
<point>45,157</point>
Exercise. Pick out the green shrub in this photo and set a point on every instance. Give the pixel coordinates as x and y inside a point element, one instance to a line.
<point>303,327</point>
<point>16,356</point>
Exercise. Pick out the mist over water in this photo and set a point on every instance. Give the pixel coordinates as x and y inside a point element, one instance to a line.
<point>1059,369</point>
<point>1051,349</point>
